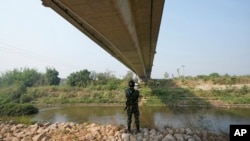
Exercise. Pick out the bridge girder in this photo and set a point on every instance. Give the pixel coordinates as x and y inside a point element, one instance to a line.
<point>126,29</point>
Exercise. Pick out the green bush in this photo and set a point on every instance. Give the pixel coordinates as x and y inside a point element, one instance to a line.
<point>244,90</point>
<point>13,109</point>
<point>146,91</point>
<point>25,98</point>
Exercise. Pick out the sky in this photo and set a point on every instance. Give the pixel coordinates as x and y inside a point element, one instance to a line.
<point>198,37</point>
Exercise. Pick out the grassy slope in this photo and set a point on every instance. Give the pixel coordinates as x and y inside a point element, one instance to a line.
<point>166,93</point>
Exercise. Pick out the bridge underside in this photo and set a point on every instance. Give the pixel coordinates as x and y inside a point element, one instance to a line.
<point>126,29</point>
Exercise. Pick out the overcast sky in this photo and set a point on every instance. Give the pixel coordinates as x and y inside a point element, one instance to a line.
<point>196,36</point>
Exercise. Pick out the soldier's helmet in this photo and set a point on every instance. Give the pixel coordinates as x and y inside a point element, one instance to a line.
<point>131,83</point>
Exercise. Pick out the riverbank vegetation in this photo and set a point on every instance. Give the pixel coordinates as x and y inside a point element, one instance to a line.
<point>20,89</point>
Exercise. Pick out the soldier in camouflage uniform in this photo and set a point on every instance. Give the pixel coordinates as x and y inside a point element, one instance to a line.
<point>132,96</point>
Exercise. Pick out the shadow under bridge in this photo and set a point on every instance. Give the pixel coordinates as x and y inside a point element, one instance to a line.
<point>126,29</point>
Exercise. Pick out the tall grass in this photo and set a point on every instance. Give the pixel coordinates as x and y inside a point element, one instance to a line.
<point>150,95</point>
<point>18,119</point>
<point>168,92</point>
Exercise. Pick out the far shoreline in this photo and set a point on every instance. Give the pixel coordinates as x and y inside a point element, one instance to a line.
<point>227,106</point>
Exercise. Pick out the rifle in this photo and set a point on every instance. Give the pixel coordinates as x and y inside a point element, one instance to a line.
<point>125,109</point>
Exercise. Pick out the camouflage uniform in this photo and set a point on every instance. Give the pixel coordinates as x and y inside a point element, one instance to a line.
<point>132,96</point>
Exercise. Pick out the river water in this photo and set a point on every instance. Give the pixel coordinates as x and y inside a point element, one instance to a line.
<point>213,119</point>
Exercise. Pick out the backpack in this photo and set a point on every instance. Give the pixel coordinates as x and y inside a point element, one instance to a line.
<point>132,96</point>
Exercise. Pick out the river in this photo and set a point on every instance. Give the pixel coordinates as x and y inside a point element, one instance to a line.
<point>213,119</point>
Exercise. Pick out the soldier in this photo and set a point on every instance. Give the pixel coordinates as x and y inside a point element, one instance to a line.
<point>132,96</point>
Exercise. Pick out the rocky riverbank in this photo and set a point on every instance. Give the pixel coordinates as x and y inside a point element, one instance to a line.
<point>12,131</point>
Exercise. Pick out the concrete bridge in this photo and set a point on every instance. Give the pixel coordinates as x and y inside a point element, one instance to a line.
<point>126,29</point>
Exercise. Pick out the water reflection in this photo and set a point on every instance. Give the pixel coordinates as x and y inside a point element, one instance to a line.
<point>109,119</point>
<point>214,119</point>
<point>164,119</point>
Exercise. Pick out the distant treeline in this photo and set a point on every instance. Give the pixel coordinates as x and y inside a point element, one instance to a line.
<point>31,77</point>
<point>14,84</point>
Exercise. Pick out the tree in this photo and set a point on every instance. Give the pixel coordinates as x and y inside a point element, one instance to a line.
<point>27,77</point>
<point>93,75</point>
<point>103,78</point>
<point>178,71</point>
<point>79,79</point>
<point>166,75</point>
<point>17,81</point>
<point>51,77</point>
<point>214,75</point>
<point>30,77</point>
<point>128,76</point>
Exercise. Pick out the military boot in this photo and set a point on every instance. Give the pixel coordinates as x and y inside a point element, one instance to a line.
<point>129,129</point>
<point>138,129</point>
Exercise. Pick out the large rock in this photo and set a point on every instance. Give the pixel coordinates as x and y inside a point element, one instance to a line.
<point>189,131</point>
<point>179,137</point>
<point>71,131</point>
<point>38,137</point>
<point>196,137</point>
<point>169,137</point>
<point>125,136</point>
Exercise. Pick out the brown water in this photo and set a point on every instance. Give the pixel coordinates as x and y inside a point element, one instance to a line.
<point>212,119</point>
